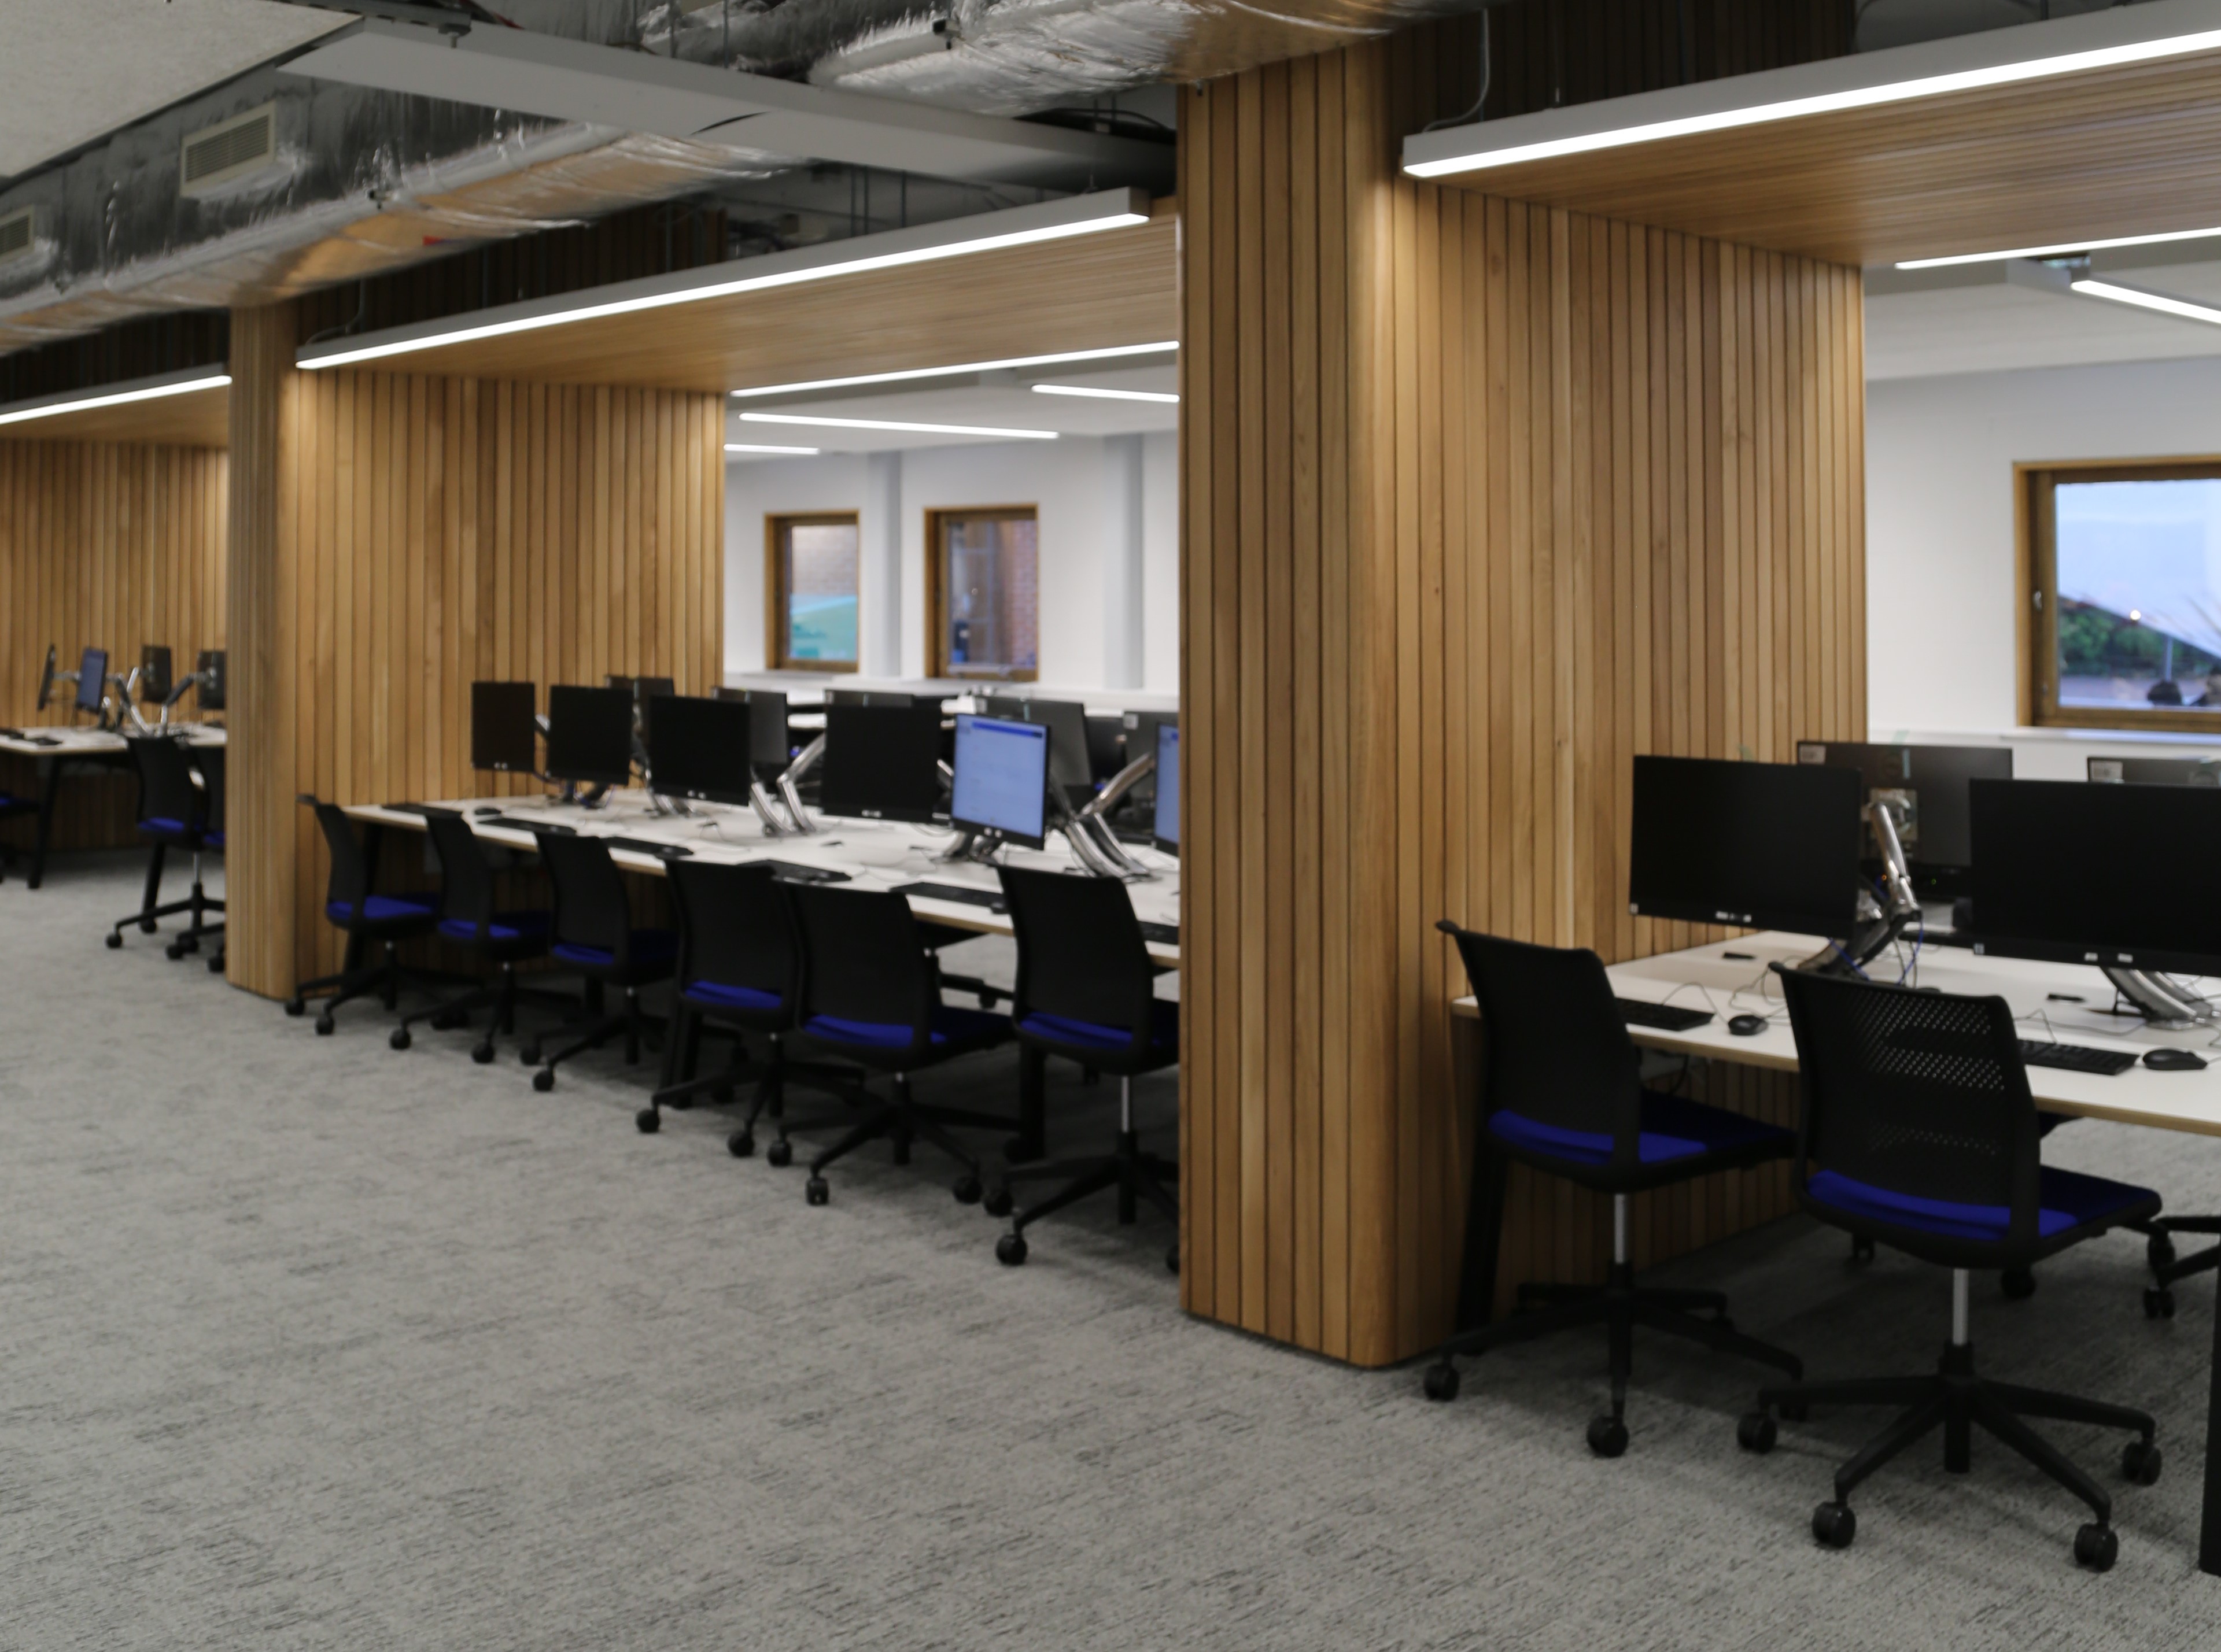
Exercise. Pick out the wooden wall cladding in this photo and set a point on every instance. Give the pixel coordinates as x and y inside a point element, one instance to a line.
<point>425,534</point>
<point>1480,501</point>
<point>107,547</point>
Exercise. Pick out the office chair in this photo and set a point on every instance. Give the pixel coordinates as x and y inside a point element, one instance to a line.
<point>469,919</point>
<point>210,760</point>
<point>173,815</point>
<point>385,921</point>
<point>1917,1130</point>
<point>593,933</point>
<point>1564,1095</point>
<point>1086,992</point>
<point>11,805</point>
<point>872,994</point>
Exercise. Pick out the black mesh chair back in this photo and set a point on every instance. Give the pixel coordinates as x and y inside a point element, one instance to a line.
<point>1080,952</point>
<point>465,880</point>
<point>1557,1051</point>
<point>591,909</point>
<point>349,884</point>
<point>735,928</point>
<point>167,797</point>
<point>1919,1093</point>
<point>209,759</point>
<point>863,959</point>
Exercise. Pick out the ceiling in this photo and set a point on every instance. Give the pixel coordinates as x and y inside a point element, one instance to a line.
<point>75,70</point>
<point>1002,401</point>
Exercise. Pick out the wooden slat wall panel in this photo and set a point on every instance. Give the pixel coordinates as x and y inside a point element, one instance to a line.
<point>426,533</point>
<point>102,546</point>
<point>1481,500</point>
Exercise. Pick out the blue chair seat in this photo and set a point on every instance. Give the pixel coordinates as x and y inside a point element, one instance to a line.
<point>649,947</point>
<point>1672,1128</point>
<point>1163,1030</point>
<point>213,839</point>
<point>162,826</point>
<point>717,995</point>
<point>504,926</point>
<point>383,909</point>
<point>2066,1200</point>
<point>950,1027</point>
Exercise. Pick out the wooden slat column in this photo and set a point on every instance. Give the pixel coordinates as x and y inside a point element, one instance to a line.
<point>1480,501</point>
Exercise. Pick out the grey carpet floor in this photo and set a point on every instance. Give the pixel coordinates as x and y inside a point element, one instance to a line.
<point>304,1344</point>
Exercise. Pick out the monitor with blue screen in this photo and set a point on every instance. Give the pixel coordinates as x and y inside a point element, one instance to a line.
<point>1166,831</point>
<point>92,679</point>
<point>1002,779</point>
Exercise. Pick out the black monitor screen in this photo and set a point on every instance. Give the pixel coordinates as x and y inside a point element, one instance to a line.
<point>2154,771</point>
<point>210,671</point>
<point>154,673</point>
<point>2102,875</point>
<point>91,676</point>
<point>769,746</point>
<point>869,698</point>
<point>1929,785</point>
<point>504,736</point>
<point>882,762</point>
<point>1167,822</point>
<point>1002,778</point>
<point>1066,722</point>
<point>590,735</point>
<point>1760,846</point>
<point>700,748</point>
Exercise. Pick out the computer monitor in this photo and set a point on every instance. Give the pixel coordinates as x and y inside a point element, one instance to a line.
<point>2118,876</point>
<point>1760,846</point>
<point>154,674</point>
<point>1929,784</point>
<point>700,748</point>
<point>769,744</point>
<point>92,677</point>
<point>1141,728</point>
<point>1167,830</point>
<point>1066,722</point>
<point>590,735</point>
<point>504,736</point>
<point>869,698</point>
<point>883,763</point>
<point>210,668</point>
<point>1002,779</point>
<point>2154,771</point>
<point>47,679</point>
<point>642,689</point>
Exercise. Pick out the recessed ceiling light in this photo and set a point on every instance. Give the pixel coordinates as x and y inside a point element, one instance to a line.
<point>898,424</point>
<point>2113,292</point>
<point>148,392</point>
<point>2057,250</point>
<point>1060,359</point>
<point>758,447</point>
<point>1103,395</point>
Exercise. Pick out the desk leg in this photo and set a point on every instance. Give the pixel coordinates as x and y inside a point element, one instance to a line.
<point>50,785</point>
<point>2209,1526</point>
<point>1484,1240</point>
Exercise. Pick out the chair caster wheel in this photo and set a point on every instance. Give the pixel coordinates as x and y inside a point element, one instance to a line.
<point>115,942</point>
<point>544,1080</point>
<point>215,964</point>
<point>779,1154</point>
<point>173,953</point>
<point>528,1054</point>
<point>1755,1430</point>
<point>2140,1462</point>
<point>741,1143</point>
<point>1010,1250</point>
<point>987,1000</point>
<point>997,1203</point>
<point>482,1054</point>
<point>293,1005</point>
<point>2158,1303</point>
<point>815,1191</point>
<point>1440,1382</point>
<point>148,927</point>
<point>324,1025</point>
<point>2018,1283</point>
<point>647,1120</point>
<point>400,1038</point>
<point>1834,1524</point>
<point>2159,1253</point>
<point>1171,1261</point>
<point>1862,1249</point>
<point>2096,1547</point>
<point>1607,1436</point>
<point>967,1190</point>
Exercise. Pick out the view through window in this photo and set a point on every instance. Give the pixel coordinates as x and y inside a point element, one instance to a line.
<point>812,563</point>
<point>986,601</point>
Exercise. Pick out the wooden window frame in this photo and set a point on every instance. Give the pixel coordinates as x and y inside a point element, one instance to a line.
<point>2038,582</point>
<point>775,588</point>
<point>936,595</point>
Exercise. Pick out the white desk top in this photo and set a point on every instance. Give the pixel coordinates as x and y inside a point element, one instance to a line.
<point>66,742</point>
<point>1702,978</point>
<point>876,855</point>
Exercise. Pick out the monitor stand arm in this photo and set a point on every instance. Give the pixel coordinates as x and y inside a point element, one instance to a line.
<point>2166,1006</point>
<point>969,847</point>
<point>1093,816</point>
<point>790,783</point>
<point>1877,929</point>
<point>1079,831</point>
<point>775,823</point>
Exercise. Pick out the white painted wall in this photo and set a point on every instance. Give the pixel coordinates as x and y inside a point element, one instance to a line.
<point>1941,593</point>
<point>1070,483</point>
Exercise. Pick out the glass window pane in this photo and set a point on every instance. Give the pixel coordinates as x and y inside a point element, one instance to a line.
<point>821,592</point>
<point>2139,574</point>
<point>992,599</point>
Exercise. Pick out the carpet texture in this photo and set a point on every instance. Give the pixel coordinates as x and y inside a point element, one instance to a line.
<point>307,1343</point>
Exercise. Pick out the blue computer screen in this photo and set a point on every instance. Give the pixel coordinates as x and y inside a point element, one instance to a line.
<point>1002,776</point>
<point>92,679</point>
<point>1167,826</point>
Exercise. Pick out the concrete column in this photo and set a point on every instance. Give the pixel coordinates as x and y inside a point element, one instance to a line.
<point>879,573</point>
<point>1121,562</point>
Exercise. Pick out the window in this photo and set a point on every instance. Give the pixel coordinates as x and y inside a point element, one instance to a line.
<point>810,577</point>
<point>2125,595</point>
<point>983,599</point>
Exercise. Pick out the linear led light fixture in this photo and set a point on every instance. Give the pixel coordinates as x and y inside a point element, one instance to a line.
<point>2062,249</point>
<point>2005,57</point>
<point>759,447</point>
<point>897,424</point>
<point>1062,358</point>
<point>985,232</point>
<point>151,390</point>
<point>1104,395</point>
<point>2114,293</point>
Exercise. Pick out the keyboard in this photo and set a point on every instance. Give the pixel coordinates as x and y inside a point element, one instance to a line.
<point>798,874</point>
<point>649,847</point>
<point>1672,1018</point>
<point>991,899</point>
<point>2076,1057</point>
<point>1162,934</point>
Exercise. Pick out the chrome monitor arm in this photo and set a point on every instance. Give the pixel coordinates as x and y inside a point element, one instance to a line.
<point>1878,926</point>
<point>2167,1004</point>
<point>1093,817</point>
<point>784,814</point>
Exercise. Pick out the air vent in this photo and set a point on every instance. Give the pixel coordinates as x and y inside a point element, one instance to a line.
<point>16,233</point>
<point>216,154</point>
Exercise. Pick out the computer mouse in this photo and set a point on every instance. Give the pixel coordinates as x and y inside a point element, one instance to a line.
<point>1747,1027</point>
<point>2174,1061</point>
<point>486,814</point>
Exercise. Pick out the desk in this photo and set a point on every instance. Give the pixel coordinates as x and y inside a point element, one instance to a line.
<point>1702,977</point>
<point>60,753</point>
